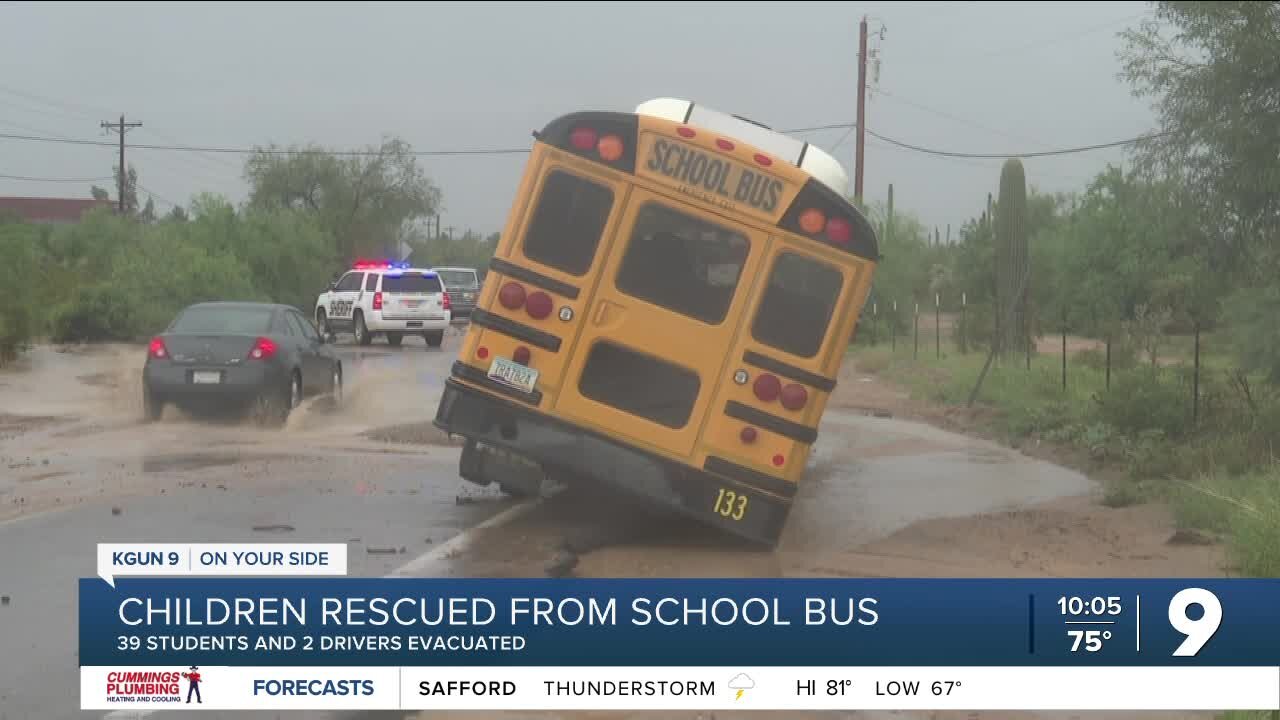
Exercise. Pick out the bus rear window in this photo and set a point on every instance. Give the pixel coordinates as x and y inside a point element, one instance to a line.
<point>410,283</point>
<point>797,305</point>
<point>682,263</point>
<point>639,384</point>
<point>568,223</point>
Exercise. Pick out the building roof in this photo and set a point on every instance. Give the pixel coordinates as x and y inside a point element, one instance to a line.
<point>50,209</point>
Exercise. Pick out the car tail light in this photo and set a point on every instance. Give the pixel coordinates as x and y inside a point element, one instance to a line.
<point>377,301</point>
<point>157,349</point>
<point>263,348</point>
<point>522,355</point>
<point>447,304</point>
<point>511,296</point>
<point>794,396</point>
<point>538,305</point>
<point>767,387</point>
<point>748,435</point>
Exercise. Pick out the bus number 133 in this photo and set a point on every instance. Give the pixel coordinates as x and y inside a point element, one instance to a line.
<point>731,504</point>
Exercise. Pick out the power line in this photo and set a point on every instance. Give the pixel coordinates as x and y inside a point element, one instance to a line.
<point>265,151</point>
<point>157,196</point>
<point>55,180</point>
<point>956,118</point>
<point>1041,153</point>
<point>524,151</point>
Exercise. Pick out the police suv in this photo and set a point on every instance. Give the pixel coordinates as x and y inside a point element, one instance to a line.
<point>384,298</point>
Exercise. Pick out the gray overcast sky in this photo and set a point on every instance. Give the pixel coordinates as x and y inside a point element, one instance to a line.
<point>969,76</point>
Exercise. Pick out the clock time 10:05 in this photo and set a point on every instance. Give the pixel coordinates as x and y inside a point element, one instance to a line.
<point>1095,606</point>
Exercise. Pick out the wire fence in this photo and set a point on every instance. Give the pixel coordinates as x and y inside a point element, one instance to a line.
<point>943,327</point>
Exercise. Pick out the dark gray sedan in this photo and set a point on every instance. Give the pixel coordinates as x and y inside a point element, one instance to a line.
<point>230,354</point>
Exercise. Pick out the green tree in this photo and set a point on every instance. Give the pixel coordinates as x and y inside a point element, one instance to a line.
<point>1213,74</point>
<point>363,201</point>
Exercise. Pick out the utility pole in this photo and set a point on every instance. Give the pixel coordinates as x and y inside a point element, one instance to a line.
<point>862,111</point>
<point>120,127</point>
<point>449,229</point>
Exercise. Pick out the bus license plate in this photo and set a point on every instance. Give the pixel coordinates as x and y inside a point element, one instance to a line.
<point>514,374</point>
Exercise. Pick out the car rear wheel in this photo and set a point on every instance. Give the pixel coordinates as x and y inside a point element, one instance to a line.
<point>152,406</point>
<point>274,407</point>
<point>435,338</point>
<point>335,386</point>
<point>362,331</point>
<point>322,323</point>
<point>394,339</point>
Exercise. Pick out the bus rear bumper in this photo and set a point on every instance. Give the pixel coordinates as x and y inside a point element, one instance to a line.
<point>703,496</point>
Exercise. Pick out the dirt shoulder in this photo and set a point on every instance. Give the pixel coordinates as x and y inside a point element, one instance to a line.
<point>1070,537</point>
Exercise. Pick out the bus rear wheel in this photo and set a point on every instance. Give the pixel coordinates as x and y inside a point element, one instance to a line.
<point>514,475</point>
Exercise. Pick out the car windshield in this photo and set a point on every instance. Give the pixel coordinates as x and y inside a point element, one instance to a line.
<point>410,283</point>
<point>228,320</point>
<point>458,278</point>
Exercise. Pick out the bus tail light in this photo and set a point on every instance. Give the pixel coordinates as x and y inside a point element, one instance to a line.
<point>821,214</point>
<point>794,397</point>
<point>604,137</point>
<point>610,148</point>
<point>812,221</point>
<point>748,435</point>
<point>521,355</point>
<point>767,387</point>
<point>538,305</point>
<point>377,301</point>
<point>511,296</point>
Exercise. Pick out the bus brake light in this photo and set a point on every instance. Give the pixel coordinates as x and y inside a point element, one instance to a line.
<point>794,397</point>
<point>538,305</point>
<point>839,231</point>
<point>583,138</point>
<point>511,296</point>
<point>767,387</point>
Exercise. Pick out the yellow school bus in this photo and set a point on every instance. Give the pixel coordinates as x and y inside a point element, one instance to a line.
<point>666,314</point>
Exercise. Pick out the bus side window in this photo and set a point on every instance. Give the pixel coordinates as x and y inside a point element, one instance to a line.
<point>796,309</point>
<point>568,222</point>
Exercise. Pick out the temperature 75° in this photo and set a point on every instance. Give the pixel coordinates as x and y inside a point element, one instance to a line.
<point>1091,640</point>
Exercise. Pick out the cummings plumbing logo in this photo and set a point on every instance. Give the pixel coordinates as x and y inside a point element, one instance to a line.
<point>153,686</point>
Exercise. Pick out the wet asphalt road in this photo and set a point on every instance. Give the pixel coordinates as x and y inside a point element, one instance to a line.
<point>91,472</point>
<point>325,478</point>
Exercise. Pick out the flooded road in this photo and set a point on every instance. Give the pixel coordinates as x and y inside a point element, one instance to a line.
<point>78,467</point>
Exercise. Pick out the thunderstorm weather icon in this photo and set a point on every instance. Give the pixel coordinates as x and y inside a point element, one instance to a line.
<point>741,682</point>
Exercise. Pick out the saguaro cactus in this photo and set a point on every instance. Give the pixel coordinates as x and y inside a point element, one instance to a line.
<point>1012,259</point>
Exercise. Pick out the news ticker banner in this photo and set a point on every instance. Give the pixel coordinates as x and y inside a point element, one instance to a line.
<point>684,688</point>
<point>349,643</point>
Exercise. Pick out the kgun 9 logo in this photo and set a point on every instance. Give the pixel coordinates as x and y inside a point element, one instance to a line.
<point>1198,630</point>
